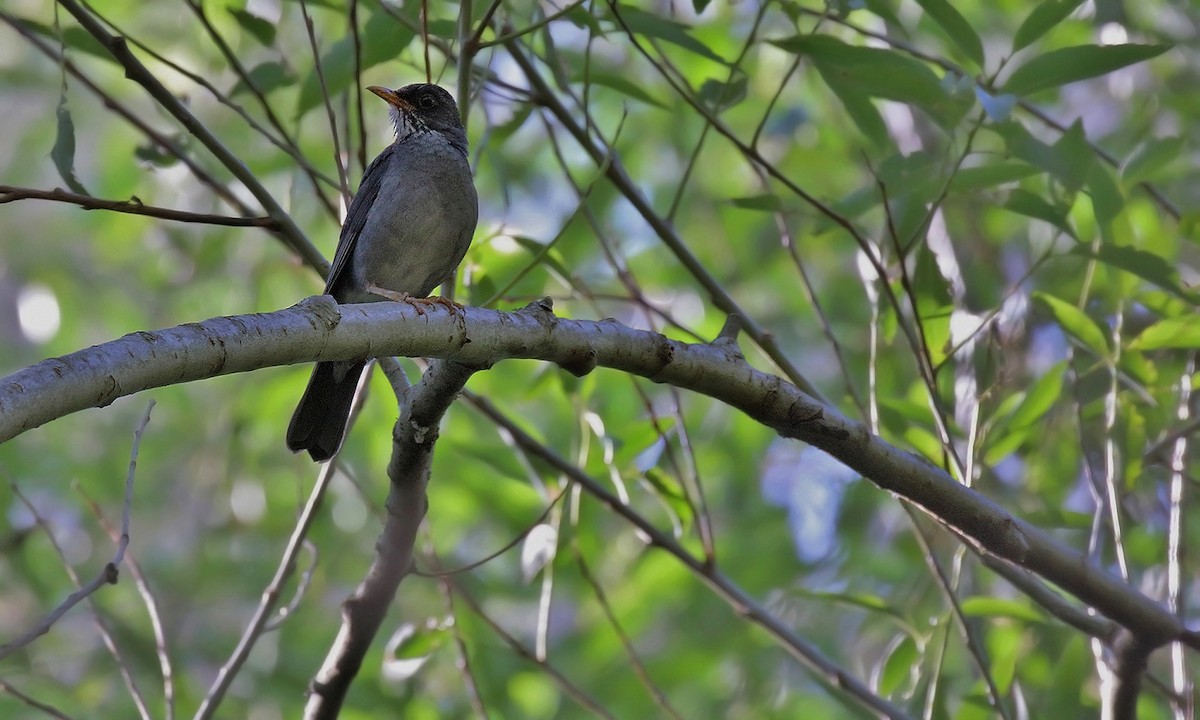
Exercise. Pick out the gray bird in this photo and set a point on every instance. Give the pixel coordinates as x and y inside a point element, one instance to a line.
<point>407,229</point>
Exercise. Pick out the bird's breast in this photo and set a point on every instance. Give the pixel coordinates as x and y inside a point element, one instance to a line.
<point>420,225</point>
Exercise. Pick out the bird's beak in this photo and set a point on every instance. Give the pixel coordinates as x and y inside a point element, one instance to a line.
<point>391,97</point>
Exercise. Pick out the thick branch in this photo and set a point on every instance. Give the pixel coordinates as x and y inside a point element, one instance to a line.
<point>320,329</point>
<point>363,613</point>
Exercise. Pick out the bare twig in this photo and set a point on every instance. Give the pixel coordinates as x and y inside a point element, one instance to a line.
<point>606,158</point>
<point>270,597</point>
<point>569,688</point>
<point>148,599</point>
<point>804,652</point>
<point>134,119</point>
<point>285,142</point>
<point>107,576</point>
<point>132,206</point>
<point>31,702</point>
<point>460,645</point>
<point>333,133</point>
<point>136,71</point>
<point>639,668</point>
<point>474,564</point>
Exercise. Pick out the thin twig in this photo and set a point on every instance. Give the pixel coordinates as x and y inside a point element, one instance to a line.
<point>284,142</point>
<point>464,658</point>
<point>569,688</point>
<point>803,651</point>
<point>132,206</point>
<point>606,157</point>
<point>107,576</point>
<point>31,702</point>
<point>475,564</point>
<point>136,71</point>
<point>131,117</point>
<point>270,596</point>
<point>639,668</point>
<point>151,604</point>
<point>333,133</point>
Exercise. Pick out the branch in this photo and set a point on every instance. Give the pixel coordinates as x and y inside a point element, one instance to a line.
<point>108,575</point>
<point>136,71</point>
<point>1130,654</point>
<point>319,329</point>
<point>412,455</point>
<point>133,206</point>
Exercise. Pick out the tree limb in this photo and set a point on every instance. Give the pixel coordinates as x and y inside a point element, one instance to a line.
<point>319,329</point>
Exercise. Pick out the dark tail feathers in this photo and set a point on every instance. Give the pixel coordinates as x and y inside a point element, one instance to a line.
<point>320,419</point>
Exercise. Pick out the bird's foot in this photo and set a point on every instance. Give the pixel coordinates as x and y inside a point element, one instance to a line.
<point>416,302</point>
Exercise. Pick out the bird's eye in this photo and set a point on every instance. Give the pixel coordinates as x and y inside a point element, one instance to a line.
<point>426,101</point>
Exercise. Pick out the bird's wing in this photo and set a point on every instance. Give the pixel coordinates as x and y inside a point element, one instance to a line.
<point>356,219</point>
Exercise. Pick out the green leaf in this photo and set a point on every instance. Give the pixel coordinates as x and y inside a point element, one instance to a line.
<point>73,37</point>
<point>1179,332</point>
<point>884,10</point>
<point>151,153</point>
<point>918,174</point>
<point>1107,200</point>
<point>1040,398</point>
<point>382,39</point>
<point>862,112</point>
<point>991,607</point>
<point>544,253</point>
<point>1076,323</point>
<point>1151,157</point>
<point>987,176</point>
<point>483,288</point>
<point>1069,160</point>
<point>419,641</point>
<point>851,70</point>
<point>766,203</point>
<point>957,27</point>
<point>1044,17</point>
<point>900,667</point>
<point>1146,265</point>
<point>63,152</point>
<point>262,30</point>
<point>1032,205</point>
<point>1071,64</point>
<point>579,16</point>
<point>621,83</point>
<point>444,28</point>
<point>410,648</point>
<point>718,95</point>
<point>698,6</point>
<point>267,77</point>
<point>656,26</point>
<point>504,131</point>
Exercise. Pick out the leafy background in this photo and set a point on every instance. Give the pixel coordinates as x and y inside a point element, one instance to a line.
<point>1049,295</point>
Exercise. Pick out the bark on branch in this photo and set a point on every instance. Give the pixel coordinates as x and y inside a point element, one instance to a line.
<point>318,329</point>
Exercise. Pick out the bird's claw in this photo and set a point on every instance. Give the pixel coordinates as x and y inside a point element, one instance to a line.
<point>416,302</point>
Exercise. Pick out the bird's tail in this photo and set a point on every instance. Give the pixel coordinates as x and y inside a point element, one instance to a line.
<point>320,419</point>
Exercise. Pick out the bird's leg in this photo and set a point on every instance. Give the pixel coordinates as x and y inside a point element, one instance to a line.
<point>416,302</point>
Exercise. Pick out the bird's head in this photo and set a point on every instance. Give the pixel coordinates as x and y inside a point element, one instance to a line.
<point>420,108</point>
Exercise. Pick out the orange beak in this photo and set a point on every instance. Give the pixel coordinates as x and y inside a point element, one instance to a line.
<point>391,97</point>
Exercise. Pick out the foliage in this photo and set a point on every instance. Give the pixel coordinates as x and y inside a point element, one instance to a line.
<point>965,223</point>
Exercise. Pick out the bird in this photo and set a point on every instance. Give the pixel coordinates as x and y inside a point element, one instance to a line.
<point>407,229</point>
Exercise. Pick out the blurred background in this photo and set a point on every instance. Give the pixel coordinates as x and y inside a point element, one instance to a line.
<point>984,249</point>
